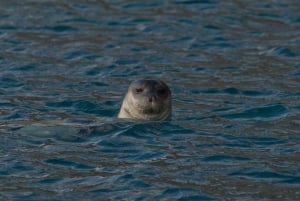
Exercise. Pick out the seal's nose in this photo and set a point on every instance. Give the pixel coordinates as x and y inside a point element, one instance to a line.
<point>151,98</point>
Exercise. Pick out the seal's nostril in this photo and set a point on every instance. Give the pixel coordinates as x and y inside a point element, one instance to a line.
<point>152,98</point>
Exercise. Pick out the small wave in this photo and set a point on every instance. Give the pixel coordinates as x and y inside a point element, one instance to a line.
<point>266,112</point>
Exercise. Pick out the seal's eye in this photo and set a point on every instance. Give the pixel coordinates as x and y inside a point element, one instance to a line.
<point>161,91</point>
<point>138,90</point>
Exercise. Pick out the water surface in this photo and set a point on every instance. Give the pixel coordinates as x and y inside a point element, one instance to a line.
<point>234,70</point>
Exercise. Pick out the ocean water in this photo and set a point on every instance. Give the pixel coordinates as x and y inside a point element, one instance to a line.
<point>234,71</point>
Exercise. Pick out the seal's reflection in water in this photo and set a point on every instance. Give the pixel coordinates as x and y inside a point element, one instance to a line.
<point>91,132</point>
<point>108,148</point>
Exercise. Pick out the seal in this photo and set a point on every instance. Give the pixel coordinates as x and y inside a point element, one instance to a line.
<point>147,99</point>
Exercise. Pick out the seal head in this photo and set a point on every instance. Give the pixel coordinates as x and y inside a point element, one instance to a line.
<point>147,99</point>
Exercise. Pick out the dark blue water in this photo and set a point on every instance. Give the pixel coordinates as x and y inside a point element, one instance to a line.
<point>234,70</point>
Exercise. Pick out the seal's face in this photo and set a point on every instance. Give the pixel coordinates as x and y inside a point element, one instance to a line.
<point>147,99</point>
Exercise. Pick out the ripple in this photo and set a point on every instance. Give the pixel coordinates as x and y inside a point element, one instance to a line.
<point>282,51</point>
<point>68,164</point>
<point>233,91</point>
<point>268,175</point>
<point>191,2</point>
<point>82,106</point>
<point>225,158</point>
<point>10,81</point>
<point>61,28</point>
<point>267,112</point>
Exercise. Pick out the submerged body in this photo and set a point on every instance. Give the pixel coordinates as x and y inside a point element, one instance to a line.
<point>147,99</point>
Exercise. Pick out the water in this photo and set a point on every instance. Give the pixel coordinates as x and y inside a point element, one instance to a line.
<point>234,70</point>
